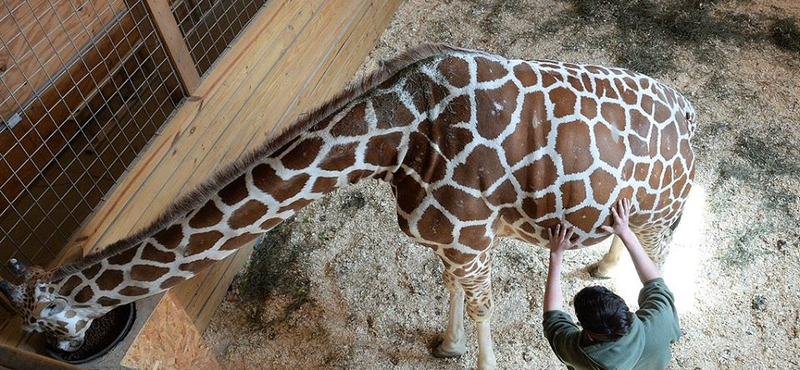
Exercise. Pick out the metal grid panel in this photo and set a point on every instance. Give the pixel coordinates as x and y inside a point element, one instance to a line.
<point>83,90</point>
<point>209,26</point>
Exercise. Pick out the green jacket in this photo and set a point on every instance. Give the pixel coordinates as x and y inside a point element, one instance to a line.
<point>646,347</point>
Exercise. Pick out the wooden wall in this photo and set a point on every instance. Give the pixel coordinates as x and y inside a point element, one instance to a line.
<point>41,44</point>
<point>42,84</point>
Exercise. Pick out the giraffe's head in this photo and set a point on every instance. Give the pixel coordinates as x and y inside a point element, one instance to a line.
<point>44,311</point>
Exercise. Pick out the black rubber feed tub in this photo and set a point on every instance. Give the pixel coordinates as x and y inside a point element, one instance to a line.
<point>105,333</point>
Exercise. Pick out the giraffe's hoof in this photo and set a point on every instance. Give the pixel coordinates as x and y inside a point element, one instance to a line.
<point>439,350</point>
<point>597,271</point>
<point>487,365</point>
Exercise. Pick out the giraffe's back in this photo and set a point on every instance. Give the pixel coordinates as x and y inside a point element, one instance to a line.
<point>512,147</point>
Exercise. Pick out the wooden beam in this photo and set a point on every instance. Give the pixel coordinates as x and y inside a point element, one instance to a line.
<point>207,300</point>
<point>173,41</point>
<point>12,358</point>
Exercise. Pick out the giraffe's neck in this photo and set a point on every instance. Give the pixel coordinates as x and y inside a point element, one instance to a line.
<point>366,138</point>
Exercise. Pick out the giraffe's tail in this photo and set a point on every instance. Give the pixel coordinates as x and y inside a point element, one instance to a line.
<point>688,112</point>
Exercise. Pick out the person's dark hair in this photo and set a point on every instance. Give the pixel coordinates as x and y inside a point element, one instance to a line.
<point>602,313</point>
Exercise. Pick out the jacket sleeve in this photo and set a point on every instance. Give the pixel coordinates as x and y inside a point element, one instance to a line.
<point>656,302</point>
<point>563,335</point>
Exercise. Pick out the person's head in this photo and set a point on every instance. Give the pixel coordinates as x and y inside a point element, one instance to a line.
<point>603,314</point>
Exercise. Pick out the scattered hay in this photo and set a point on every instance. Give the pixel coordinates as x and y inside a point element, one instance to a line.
<point>274,269</point>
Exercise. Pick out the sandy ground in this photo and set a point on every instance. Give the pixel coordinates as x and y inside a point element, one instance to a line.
<point>340,287</point>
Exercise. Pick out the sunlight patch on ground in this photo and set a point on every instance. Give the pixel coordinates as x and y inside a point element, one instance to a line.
<point>682,268</point>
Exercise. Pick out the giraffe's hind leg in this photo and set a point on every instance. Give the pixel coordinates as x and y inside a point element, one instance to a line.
<point>453,342</point>
<point>478,290</point>
<point>655,242</point>
<point>602,269</point>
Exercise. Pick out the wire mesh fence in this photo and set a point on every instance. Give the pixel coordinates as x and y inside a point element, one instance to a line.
<point>84,86</point>
<point>209,26</point>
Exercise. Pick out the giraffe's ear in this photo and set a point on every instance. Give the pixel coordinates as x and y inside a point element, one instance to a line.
<point>18,269</point>
<point>55,307</point>
<point>8,290</point>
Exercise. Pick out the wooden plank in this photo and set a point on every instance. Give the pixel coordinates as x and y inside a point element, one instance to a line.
<point>325,87</point>
<point>11,333</point>
<point>332,42</point>
<point>173,41</point>
<point>16,359</point>
<point>6,309</point>
<point>355,55</point>
<point>190,291</point>
<point>203,307</point>
<point>39,36</point>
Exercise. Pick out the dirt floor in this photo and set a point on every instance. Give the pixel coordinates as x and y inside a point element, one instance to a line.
<point>340,287</point>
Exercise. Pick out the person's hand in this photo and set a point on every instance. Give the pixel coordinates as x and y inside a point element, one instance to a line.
<point>559,239</point>
<point>621,215</point>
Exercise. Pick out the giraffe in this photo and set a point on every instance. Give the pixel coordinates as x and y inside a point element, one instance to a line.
<point>475,146</point>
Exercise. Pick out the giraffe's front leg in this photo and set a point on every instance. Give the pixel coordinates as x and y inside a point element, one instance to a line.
<point>454,342</point>
<point>478,291</point>
<point>486,359</point>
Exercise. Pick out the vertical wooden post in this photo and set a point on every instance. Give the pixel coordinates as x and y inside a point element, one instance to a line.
<point>174,43</point>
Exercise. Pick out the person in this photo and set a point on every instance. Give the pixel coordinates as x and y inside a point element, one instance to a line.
<point>612,337</point>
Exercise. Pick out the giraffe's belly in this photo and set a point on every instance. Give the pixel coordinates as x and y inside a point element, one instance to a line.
<point>529,231</point>
<point>530,224</point>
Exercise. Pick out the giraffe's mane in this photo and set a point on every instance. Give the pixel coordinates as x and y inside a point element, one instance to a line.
<point>200,194</point>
